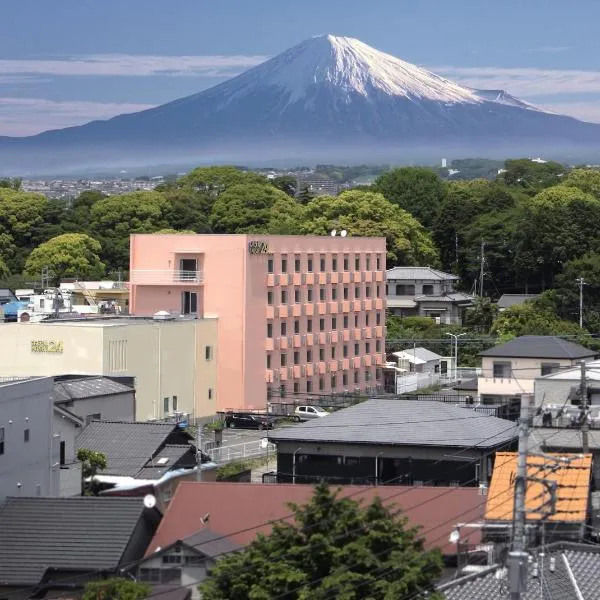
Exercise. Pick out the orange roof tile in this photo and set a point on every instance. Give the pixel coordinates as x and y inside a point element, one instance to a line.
<point>572,492</point>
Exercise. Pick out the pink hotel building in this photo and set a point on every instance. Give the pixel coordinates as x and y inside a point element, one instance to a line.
<point>297,315</point>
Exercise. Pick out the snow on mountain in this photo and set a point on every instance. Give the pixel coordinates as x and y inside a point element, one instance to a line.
<point>502,97</point>
<point>348,65</point>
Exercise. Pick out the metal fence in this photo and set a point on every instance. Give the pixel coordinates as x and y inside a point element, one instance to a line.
<point>244,451</point>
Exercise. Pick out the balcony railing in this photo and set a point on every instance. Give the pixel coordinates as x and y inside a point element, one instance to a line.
<point>165,277</point>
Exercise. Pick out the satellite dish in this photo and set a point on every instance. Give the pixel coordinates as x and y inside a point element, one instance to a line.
<point>264,442</point>
<point>149,501</point>
<point>333,233</point>
<point>344,233</point>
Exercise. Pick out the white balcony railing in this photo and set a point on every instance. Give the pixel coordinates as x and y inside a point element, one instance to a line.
<point>165,277</point>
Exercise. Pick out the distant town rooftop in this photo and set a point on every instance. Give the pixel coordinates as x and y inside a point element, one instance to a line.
<point>539,346</point>
<point>420,274</point>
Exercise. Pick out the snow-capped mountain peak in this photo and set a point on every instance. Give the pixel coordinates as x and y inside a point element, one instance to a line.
<point>351,66</point>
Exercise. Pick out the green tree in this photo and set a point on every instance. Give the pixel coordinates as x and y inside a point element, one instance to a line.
<point>116,217</point>
<point>587,180</point>
<point>335,548</point>
<point>482,315</point>
<point>305,195</point>
<point>67,255</point>
<point>531,176</point>
<point>286,183</point>
<point>255,208</point>
<point>116,589</point>
<point>12,183</point>
<point>215,180</point>
<point>417,190</point>
<point>4,270</point>
<point>370,214</point>
<point>78,217</point>
<point>91,463</point>
<point>187,209</point>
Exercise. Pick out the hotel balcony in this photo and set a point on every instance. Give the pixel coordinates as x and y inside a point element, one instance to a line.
<point>165,277</point>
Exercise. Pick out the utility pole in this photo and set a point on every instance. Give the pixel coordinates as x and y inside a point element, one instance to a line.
<point>481,268</point>
<point>456,249</point>
<point>198,451</point>
<point>581,282</point>
<point>585,425</point>
<point>518,557</point>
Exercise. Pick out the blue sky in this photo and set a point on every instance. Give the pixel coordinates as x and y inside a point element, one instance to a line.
<point>69,61</point>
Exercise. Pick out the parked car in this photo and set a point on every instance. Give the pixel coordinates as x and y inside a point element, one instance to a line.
<point>304,413</point>
<point>248,421</point>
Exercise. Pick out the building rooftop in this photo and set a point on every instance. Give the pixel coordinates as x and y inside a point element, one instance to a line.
<point>71,534</point>
<point>572,491</point>
<point>112,321</point>
<point>403,422</point>
<point>539,346</point>
<point>87,387</point>
<point>417,355</point>
<point>566,439</point>
<point>241,511</point>
<point>508,300</point>
<point>420,274</point>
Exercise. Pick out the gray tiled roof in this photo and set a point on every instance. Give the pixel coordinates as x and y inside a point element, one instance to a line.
<point>419,273</point>
<point>87,387</point>
<point>491,584</point>
<point>83,533</point>
<point>172,452</point>
<point>451,297</point>
<point>539,346</point>
<point>210,543</point>
<point>563,438</point>
<point>403,422</point>
<point>128,446</point>
<point>508,300</point>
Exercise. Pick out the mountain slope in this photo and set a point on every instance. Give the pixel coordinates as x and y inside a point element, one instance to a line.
<point>330,98</point>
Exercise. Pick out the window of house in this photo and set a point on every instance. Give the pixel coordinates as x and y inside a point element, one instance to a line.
<point>321,324</point>
<point>334,293</point>
<point>368,266</point>
<point>174,400</point>
<point>94,417</point>
<point>334,263</point>
<point>194,561</point>
<point>296,357</point>
<point>309,387</point>
<point>345,293</point>
<point>26,435</point>
<point>355,377</point>
<point>322,264</point>
<point>345,262</point>
<point>268,361</point>
<point>403,289</point>
<point>367,348</point>
<point>283,296</point>
<point>367,319</point>
<point>345,350</point>
<point>309,356</point>
<point>165,405</point>
<point>309,295</point>
<point>297,264</point>
<point>63,452</point>
<point>309,267</point>
<point>378,346</point>
<point>548,368</point>
<point>357,263</point>
<point>378,261</point>
<point>296,326</point>
<point>297,295</point>
<point>269,330</point>
<point>321,354</point>
<point>269,297</point>
<point>333,381</point>
<point>283,359</point>
<point>368,291</point>
<point>283,328</point>
<point>321,384</point>
<point>270,265</point>
<point>283,265</point>
<point>502,369</point>
<point>355,319</point>
<point>189,303</point>
<point>357,292</point>
<point>322,294</point>
<point>171,559</point>
<point>210,393</point>
<point>428,289</point>
<point>378,319</point>
<point>345,378</point>
<point>296,387</point>
<point>309,325</point>
<point>378,290</point>
<point>208,352</point>
<point>367,375</point>
<point>150,575</point>
<point>334,323</point>
<point>357,349</point>
<point>171,576</point>
<point>345,321</point>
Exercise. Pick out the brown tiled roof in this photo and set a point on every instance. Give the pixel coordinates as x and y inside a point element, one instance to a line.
<point>241,510</point>
<point>573,487</point>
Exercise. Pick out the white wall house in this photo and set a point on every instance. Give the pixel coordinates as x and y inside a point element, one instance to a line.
<point>418,368</point>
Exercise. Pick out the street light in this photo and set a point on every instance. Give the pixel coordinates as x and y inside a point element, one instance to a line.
<point>454,354</point>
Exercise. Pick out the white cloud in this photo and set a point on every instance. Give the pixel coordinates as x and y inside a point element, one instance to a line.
<point>525,82</point>
<point>132,65</point>
<point>28,116</point>
<point>551,49</point>
<point>585,111</point>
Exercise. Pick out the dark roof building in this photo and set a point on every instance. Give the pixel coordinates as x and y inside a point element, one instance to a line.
<point>69,388</point>
<point>539,346</point>
<point>507,300</point>
<point>42,539</point>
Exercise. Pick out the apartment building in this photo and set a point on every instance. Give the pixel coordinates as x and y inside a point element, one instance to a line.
<point>298,315</point>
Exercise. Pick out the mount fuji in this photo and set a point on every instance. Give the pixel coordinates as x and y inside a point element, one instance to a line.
<point>328,98</point>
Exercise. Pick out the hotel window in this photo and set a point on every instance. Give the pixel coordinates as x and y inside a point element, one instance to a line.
<point>368,268</point>
<point>283,359</point>
<point>321,354</point>
<point>269,297</point>
<point>309,356</point>
<point>334,263</point>
<point>322,294</point>
<point>321,384</point>
<point>378,290</point>
<point>333,381</point>
<point>270,265</point>
<point>296,357</point>
<point>283,296</point>
<point>174,403</point>
<point>321,324</point>
<point>334,293</point>
<point>368,375</point>
<point>378,262</point>
<point>308,387</point>
<point>345,321</point>
<point>309,295</point>
<point>208,353</point>
<point>332,351</point>
<point>210,393</point>
<point>165,405</point>
<point>269,330</point>
<point>345,350</point>
<point>345,378</point>
<point>297,264</point>
<point>355,319</point>
<point>310,264</point>
<point>283,264</point>
<point>378,319</point>
<point>355,377</point>
<point>189,303</point>
<point>367,319</point>
<point>367,348</point>
<point>357,292</point>
<point>296,387</point>
<point>322,264</point>
<point>297,295</point>
<point>378,346</point>
<point>333,323</point>
<point>345,262</point>
<point>296,326</point>
<point>283,328</point>
<point>268,361</point>
<point>345,292</point>
<point>357,349</point>
<point>309,325</point>
<point>368,291</point>
<point>357,263</point>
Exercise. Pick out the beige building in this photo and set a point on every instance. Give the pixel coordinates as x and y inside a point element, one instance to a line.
<point>173,360</point>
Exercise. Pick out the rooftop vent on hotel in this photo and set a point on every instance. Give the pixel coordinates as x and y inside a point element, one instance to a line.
<point>163,315</point>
